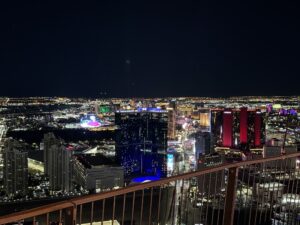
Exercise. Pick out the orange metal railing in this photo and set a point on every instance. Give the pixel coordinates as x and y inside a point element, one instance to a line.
<point>259,191</point>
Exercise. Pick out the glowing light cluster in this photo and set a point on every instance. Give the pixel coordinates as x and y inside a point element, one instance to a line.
<point>90,121</point>
<point>144,179</point>
<point>170,162</point>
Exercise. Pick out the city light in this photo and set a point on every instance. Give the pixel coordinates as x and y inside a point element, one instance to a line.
<point>90,121</point>
<point>144,179</point>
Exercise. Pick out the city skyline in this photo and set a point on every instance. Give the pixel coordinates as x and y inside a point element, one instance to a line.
<point>55,149</point>
<point>149,112</point>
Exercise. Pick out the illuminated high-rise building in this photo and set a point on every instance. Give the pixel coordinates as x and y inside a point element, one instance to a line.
<point>202,143</point>
<point>241,129</point>
<point>141,141</point>
<point>15,168</point>
<point>257,129</point>
<point>243,126</point>
<point>227,128</point>
<point>216,129</point>
<point>171,124</point>
<point>58,163</point>
<point>204,118</point>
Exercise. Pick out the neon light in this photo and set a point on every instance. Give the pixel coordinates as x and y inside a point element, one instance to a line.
<point>90,121</point>
<point>170,162</point>
<point>145,179</point>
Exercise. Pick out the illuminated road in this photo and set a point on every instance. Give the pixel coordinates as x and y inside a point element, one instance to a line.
<point>35,165</point>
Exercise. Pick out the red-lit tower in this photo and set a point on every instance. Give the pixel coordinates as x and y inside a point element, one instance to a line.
<point>227,128</point>
<point>243,126</point>
<point>257,129</point>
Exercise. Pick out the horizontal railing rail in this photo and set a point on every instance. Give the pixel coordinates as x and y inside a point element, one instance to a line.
<point>72,204</point>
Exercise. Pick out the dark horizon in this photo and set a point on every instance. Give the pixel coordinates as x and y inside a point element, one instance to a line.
<point>151,50</point>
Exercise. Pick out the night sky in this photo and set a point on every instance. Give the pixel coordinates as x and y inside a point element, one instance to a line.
<point>149,49</point>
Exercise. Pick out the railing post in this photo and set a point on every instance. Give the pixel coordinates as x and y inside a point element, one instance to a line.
<point>70,218</point>
<point>230,197</point>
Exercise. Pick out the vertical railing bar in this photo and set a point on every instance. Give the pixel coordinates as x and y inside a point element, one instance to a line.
<point>103,208</point>
<point>158,208</point>
<point>263,196</point>
<point>253,186</point>
<point>173,208</point>
<point>283,177</point>
<point>74,214</point>
<point>269,186</point>
<point>80,214</point>
<point>123,210</point>
<point>186,201</point>
<point>202,196</point>
<point>281,181</point>
<point>214,199</point>
<point>266,211</point>
<point>294,194</point>
<point>181,202</point>
<point>208,197</point>
<point>219,204</point>
<point>256,191</point>
<point>47,218</point>
<point>193,208</point>
<point>132,208</point>
<point>114,206</point>
<point>225,196</point>
<point>142,206</point>
<point>271,196</point>
<point>247,195</point>
<point>150,213</point>
<point>241,188</point>
<point>277,190</point>
<point>296,190</point>
<point>288,188</point>
<point>60,216</point>
<point>92,213</point>
<point>228,216</point>
<point>34,220</point>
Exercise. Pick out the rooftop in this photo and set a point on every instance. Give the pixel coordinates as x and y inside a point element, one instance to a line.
<point>90,161</point>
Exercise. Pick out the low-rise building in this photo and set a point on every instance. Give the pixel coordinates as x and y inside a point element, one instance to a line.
<point>97,172</point>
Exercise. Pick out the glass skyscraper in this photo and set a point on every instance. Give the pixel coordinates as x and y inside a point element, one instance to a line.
<point>141,141</point>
